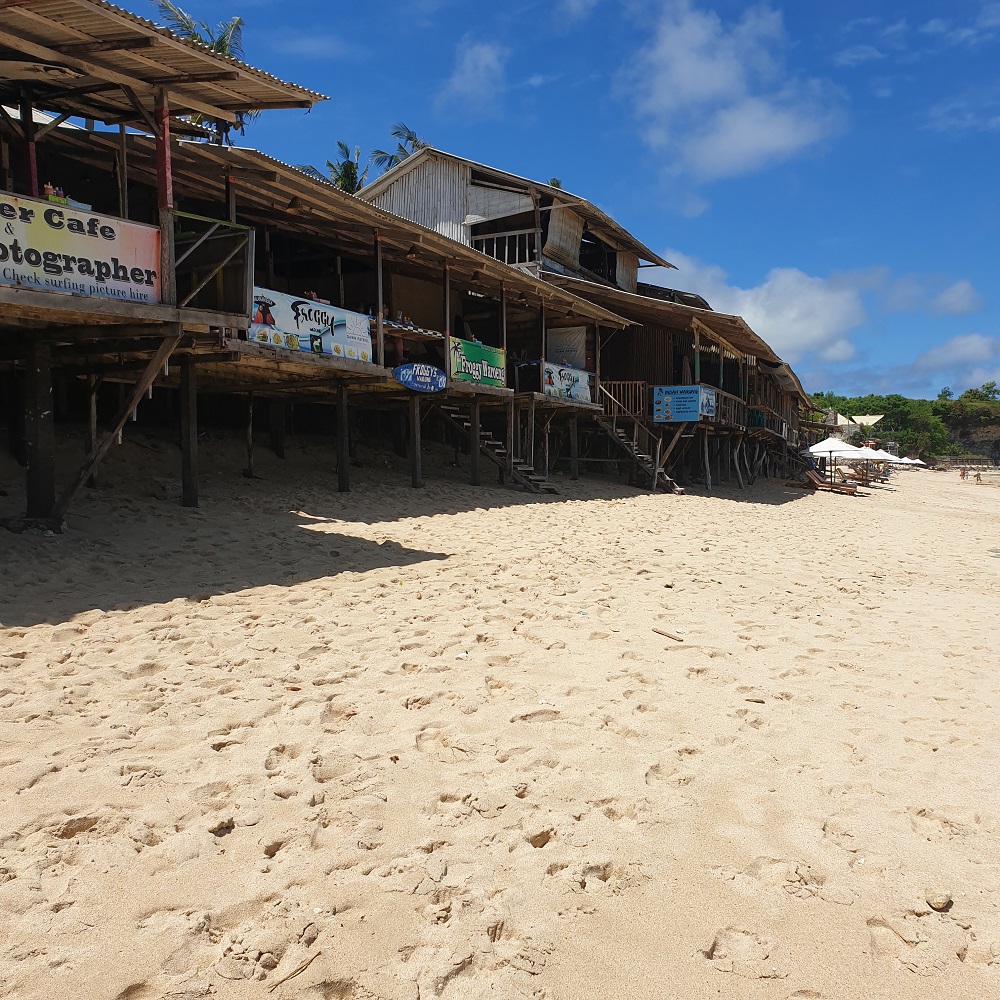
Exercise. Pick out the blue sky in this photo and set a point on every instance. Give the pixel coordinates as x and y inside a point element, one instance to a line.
<point>828,171</point>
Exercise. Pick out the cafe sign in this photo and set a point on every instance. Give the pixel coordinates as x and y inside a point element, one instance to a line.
<point>564,382</point>
<point>54,248</point>
<point>472,362</point>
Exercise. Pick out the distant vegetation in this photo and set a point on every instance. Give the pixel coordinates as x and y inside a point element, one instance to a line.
<point>943,426</point>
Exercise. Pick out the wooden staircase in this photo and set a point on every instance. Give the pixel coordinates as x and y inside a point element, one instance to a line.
<point>524,475</point>
<point>655,475</point>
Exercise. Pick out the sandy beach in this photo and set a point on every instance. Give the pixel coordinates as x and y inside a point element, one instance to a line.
<point>415,744</point>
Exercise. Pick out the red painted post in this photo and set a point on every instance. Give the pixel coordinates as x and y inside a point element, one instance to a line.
<point>165,198</point>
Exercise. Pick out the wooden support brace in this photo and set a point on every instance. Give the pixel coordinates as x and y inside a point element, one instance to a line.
<point>474,442</point>
<point>101,448</point>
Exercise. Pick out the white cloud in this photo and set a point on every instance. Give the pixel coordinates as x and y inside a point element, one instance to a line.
<point>577,9</point>
<point>478,80</point>
<point>969,350</point>
<point>958,299</point>
<point>796,313</point>
<point>715,96</point>
<point>856,55</point>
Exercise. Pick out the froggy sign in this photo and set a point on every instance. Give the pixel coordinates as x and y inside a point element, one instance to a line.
<point>58,249</point>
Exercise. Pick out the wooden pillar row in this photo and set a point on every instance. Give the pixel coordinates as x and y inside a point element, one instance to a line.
<point>574,449</point>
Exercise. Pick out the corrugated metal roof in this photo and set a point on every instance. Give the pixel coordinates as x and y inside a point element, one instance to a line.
<point>599,222</point>
<point>103,47</point>
<point>267,189</point>
<point>732,332</point>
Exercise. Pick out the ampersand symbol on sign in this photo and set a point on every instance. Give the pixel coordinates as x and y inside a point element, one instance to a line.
<point>9,229</point>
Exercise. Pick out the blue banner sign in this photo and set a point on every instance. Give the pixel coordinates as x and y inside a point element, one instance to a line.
<point>420,378</point>
<point>676,403</point>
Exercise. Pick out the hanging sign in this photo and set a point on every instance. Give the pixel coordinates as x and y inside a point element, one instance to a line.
<point>565,383</point>
<point>54,248</point>
<point>307,325</point>
<point>472,362</point>
<point>707,407</point>
<point>420,378</point>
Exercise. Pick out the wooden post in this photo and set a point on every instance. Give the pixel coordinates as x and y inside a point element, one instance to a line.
<point>597,364</point>
<point>340,282</point>
<point>28,128</point>
<point>503,324</point>
<point>343,441</point>
<point>510,437</point>
<point>574,449</point>
<point>122,172</point>
<point>474,442</point>
<point>446,300</point>
<point>708,471</point>
<point>541,319</point>
<point>189,434</point>
<point>736,463</point>
<point>415,471</point>
<point>39,430</point>
<point>269,258</point>
<point>379,321</point>
<point>538,233</point>
<point>231,197</point>
<point>276,426</point>
<point>697,357</point>
<point>656,461</point>
<point>248,471</point>
<point>165,199</point>
<point>529,458</point>
<point>545,447</point>
<point>92,384</point>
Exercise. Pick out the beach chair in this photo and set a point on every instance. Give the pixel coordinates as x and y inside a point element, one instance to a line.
<point>814,481</point>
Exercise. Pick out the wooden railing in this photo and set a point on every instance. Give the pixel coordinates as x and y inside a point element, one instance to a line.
<point>213,264</point>
<point>729,410</point>
<point>625,399</point>
<point>516,247</point>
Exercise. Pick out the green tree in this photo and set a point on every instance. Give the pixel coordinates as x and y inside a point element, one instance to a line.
<point>343,172</point>
<point>945,393</point>
<point>224,39</point>
<point>555,182</point>
<point>407,143</point>
<point>988,392</point>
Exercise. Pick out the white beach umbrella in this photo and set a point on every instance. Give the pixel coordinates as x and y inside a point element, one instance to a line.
<point>832,446</point>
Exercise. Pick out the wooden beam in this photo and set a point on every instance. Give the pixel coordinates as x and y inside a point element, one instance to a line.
<point>108,45</point>
<point>101,448</point>
<point>165,200</point>
<point>343,441</point>
<point>43,130</point>
<point>708,470</point>
<point>189,433</point>
<point>379,303</point>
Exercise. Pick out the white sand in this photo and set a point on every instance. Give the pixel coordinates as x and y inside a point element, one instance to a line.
<point>445,754</point>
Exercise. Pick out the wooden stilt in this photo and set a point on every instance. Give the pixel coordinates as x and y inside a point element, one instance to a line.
<point>510,437</point>
<point>276,426</point>
<point>92,383</point>
<point>379,320</point>
<point>248,471</point>
<point>40,441</point>
<point>343,441</point>
<point>656,462</point>
<point>474,442</point>
<point>736,462</point>
<point>708,471</point>
<point>530,449</point>
<point>189,434</point>
<point>545,447</point>
<point>416,477</point>
<point>574,449</point>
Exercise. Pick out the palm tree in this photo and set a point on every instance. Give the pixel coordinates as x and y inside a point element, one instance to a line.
<point>225,39</point>
<point>407,143</point>
<point>343,173</point>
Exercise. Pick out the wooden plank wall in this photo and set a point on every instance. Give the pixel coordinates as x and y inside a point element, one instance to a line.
<point>432,194</point>
<point>564,237</point>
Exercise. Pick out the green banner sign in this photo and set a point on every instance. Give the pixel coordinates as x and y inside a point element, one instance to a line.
<point>471,362</point>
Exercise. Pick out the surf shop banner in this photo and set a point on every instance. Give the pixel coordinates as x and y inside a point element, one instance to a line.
<point>566,383</point>
<point>470,362</point>
<point>54,248</point>
<point>307,325</point>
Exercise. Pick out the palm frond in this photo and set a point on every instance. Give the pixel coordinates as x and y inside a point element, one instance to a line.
<point>179,22</point>
<point>229,38</point>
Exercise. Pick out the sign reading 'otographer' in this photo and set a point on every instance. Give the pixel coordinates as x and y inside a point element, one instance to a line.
<point>52,248</point>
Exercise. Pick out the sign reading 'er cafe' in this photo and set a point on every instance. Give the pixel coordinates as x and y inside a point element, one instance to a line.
<point>52,248</point>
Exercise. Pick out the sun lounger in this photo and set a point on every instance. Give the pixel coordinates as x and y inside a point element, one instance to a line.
<point>816,482</point>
